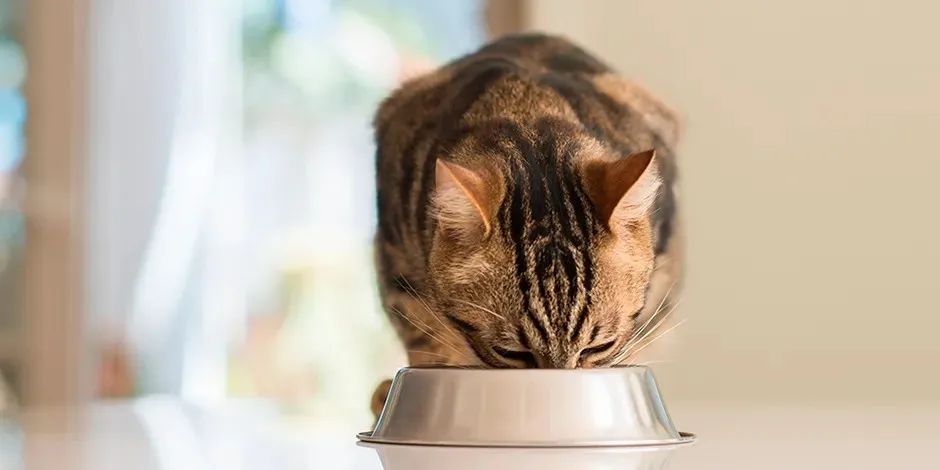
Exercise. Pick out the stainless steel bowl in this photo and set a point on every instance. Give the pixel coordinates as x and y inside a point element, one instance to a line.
<point>618,406</point>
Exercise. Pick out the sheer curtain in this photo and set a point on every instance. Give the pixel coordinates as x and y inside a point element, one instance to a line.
<point>164,179</point>
<point>232,200</point>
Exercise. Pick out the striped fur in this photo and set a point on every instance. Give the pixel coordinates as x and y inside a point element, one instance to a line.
<point>543,278</point>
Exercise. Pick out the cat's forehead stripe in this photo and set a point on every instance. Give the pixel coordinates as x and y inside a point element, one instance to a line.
<point>553,265</point>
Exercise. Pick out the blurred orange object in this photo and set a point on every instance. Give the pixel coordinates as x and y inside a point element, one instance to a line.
<point>260,372</point>
<point>115,373</point>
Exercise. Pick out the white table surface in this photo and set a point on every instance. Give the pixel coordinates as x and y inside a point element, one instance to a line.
<point>162,434</point>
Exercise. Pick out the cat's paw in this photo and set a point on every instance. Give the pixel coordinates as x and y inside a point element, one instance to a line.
<point>379,396</point>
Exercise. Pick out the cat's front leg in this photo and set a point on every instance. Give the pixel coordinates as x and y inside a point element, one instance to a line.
<point>378,398</point>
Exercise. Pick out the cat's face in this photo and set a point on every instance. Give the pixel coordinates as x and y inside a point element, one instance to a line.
<point>544,264</point>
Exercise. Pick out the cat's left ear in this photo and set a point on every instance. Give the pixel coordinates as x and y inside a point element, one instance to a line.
<point>622,189</point>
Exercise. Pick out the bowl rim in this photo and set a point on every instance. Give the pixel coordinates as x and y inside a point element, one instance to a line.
<point>685,438</point>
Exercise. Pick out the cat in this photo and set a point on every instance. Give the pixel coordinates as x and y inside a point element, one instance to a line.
<point>527,211</point>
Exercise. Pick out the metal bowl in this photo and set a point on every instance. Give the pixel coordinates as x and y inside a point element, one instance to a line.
<point>618,406</point>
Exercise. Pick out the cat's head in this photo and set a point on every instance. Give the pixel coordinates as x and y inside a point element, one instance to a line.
<point>543,258</point>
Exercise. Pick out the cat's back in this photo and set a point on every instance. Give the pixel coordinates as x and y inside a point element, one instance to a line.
<point>540,53</point>
<point>524,77</point>
<point>485,78</point>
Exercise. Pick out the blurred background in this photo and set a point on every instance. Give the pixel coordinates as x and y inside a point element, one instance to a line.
<point>187,199</point>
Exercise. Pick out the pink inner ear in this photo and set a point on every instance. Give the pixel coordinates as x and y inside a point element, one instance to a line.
<point>462,198</point>
<point>625,186</point>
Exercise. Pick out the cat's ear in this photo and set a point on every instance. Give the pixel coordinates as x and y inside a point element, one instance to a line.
<point>624,188</point>
<point>465,200</point>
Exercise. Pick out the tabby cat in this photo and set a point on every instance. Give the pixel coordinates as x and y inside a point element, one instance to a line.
<point>527,211</point>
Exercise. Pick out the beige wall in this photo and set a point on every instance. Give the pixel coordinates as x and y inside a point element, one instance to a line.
<point>811,165</point>
<point>52,348</point>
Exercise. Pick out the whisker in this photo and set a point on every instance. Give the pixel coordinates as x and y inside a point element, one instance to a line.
<point>664,264</point>
<point>446,363</point>
<point>417,296</point>
<point>467,302</point>
<point>659,309</point>
<point>443,365</point>
<point>664,333</point>
<point>648,363</point>
<point>447,359</point>
<point>657,325</point>
<point>439,340</point>
<point>662,319</point>
<point>453,333</point>
<point>634,340</point>
<point>429,353</point>
<point>420,327</point>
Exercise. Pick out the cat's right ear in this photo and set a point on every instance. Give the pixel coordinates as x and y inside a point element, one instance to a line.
<point>465,200</point>
<point>622,189</point>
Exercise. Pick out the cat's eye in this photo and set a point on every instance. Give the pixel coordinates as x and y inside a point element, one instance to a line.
<point>525,357</point>
<point>600,349</point>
